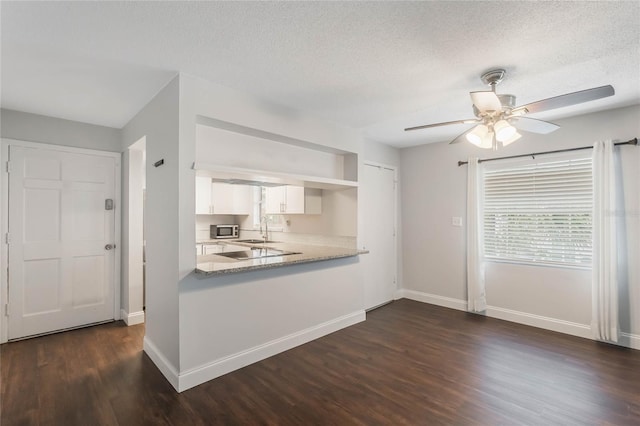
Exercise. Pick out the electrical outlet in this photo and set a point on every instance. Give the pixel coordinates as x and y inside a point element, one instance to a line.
<point>456,221</point>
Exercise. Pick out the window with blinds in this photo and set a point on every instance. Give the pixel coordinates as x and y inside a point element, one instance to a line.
<point>539,212</point>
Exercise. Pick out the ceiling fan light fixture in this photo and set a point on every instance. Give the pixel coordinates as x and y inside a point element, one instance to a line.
<point>477,135</point>
<point>504,130</point>
<point>488,141</point>
<point>513,138</point>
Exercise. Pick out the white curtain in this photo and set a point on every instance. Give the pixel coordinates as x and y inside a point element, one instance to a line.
<point>477,301</point>
<point>604,319</point>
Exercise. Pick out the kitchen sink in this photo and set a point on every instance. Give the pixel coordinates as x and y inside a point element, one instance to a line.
<point>256,241</point>
<point>256,253</point>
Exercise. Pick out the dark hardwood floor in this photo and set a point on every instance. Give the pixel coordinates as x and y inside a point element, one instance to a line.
<point>409,363</point>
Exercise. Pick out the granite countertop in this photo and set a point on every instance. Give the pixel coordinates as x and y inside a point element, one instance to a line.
<point>214,264</point>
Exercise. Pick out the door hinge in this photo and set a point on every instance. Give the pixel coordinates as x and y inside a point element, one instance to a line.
<point>6,309</point>
<point>8,166</point>
<point>7,238</point>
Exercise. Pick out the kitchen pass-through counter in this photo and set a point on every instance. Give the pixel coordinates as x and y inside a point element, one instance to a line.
<point>252,256</point>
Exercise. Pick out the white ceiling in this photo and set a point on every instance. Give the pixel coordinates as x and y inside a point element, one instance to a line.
<point>379,66</point>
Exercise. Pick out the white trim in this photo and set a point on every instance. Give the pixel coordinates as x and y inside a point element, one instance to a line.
<point>4,259</point>
<point>561,326</point>
<point>4,226</point>
<point>629,340</point>
<point>63,148</point>
<point>117,229</point>
<point>163,364</point>
<point>132,318</point>
<point>553,324</point>
<point>433,299</point>
<point>376,164</point>
<point>198,375</point>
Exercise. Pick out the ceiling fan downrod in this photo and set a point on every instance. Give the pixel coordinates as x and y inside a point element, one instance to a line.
<point>493,77</point>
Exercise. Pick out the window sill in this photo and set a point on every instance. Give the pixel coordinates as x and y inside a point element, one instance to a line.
<point>541,264</point>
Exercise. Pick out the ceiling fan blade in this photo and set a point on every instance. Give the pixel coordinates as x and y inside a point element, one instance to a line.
<point>570,99</point>
<point>534,126</point>
<point>460,137</point>
<point>446,123</point>
<point>486,101</point>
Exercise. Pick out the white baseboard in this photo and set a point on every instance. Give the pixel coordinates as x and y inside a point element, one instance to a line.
<point>132,318</point>
<point>553,324</point>
<point>547,323</point>
<point>219,367</point>
<point>163,364</point>
<point>447,302</point>
<point>630,340</point>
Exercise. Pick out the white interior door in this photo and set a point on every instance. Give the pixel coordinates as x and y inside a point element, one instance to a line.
<point>377,198</point>
<point>61,271</point>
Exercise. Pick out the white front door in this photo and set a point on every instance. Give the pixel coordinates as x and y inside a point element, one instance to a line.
<point>61,264</point>
<point>377,198</point>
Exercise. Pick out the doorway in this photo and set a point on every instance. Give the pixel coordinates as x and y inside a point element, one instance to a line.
<point>61,217</point>
<point>133,297</point>
<point>377,199</point>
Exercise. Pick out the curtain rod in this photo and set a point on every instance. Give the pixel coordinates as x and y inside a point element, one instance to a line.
<point>633,141</point>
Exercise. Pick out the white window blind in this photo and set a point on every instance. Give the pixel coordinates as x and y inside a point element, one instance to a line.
<point>539,212</point>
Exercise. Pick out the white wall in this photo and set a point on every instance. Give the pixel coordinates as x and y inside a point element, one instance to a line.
<point>199,303</point>
<point>39,128</point>
<point>434,189</point>
<point>232,106</point>
<point>338,218</point>
<point>232,149</point>
<point>158,122</point>
<point>231,321</point>
<point>380,153</point>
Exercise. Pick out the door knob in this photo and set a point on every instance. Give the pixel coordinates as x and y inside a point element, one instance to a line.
<point>109,246</point>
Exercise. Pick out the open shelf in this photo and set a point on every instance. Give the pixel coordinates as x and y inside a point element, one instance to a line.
<point>268,178</point>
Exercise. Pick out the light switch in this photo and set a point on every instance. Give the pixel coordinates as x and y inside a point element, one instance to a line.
<point>456,221</point>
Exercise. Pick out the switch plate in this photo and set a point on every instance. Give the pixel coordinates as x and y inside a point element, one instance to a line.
<point>456,221</point>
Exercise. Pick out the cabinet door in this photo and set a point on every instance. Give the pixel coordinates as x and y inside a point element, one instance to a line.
<point>294,200</point>
<point>242,199</point>
<point>222,198</point>
<point>275,197</point>
<point>203,195</point>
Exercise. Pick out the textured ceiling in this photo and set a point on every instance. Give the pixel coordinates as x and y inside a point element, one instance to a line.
<point>379,66</point>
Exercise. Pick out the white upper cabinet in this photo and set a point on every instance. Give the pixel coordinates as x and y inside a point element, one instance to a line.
<point>203,195</point>
<point>222,198</point>
<point>242,199</point>
<point>291,199</point>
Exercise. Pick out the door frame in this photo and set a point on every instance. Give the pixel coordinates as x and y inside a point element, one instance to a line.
<point>396,275</point>
<point>4,226</point>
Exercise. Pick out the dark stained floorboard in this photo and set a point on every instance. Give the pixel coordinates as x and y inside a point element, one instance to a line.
<point>409,363</point>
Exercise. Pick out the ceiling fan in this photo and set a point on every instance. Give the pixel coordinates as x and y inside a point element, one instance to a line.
<point>498,119</point>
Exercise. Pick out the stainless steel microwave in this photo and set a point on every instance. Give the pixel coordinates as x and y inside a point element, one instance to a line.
<point>223,231</point>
